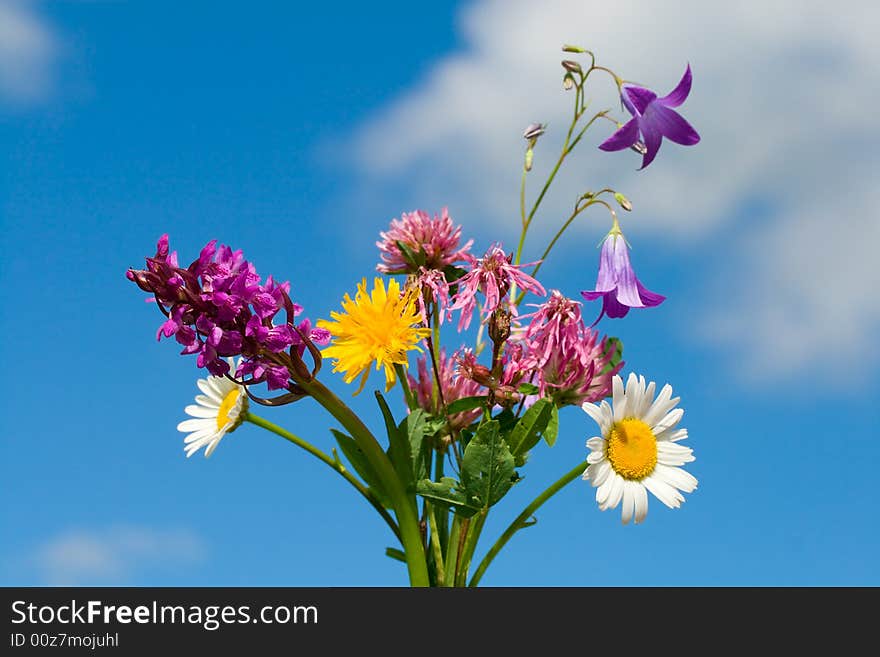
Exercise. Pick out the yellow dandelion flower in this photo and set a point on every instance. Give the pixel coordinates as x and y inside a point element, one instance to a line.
<point>374,326</point>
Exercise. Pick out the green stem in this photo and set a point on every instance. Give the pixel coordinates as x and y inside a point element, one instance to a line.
<point>435,544</point>
<point>470,545</point>
<point>520,521</point>
<point>452,551</point>
<point>411,403</point>
<point>404,508</point>
<point>331,462</point>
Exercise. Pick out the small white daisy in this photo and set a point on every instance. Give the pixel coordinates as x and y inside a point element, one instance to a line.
<point>638,450</point>
<point>217,412</point>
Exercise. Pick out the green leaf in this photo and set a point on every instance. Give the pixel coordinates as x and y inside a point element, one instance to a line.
<point>415,428</point>
<point>465,404</point>
<point>552,429</point>
<point>615,345</point>
<point>506,420</point>
<point>447,493</point>
<point>453,273</point>
<point>528,389</point>
<point>487,466</point>
<point>533,424</point>
<point>394,553</point>
<point>399,450</point>
<point>362,466</point>
<point>415,259</point>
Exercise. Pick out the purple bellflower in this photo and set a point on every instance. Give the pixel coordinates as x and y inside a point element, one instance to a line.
<point>617,283</point>
<point>654,118</point>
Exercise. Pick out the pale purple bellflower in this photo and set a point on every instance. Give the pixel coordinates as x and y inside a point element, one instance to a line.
<point>617,283</point>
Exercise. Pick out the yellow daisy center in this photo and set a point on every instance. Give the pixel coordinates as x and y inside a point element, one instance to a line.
<point>631,448</point>
<point>226,406</point>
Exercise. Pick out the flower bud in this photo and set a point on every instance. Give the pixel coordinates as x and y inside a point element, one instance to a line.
<point>571,66</point>
<point>570,48</point>
<point>623,201</point>
<point>529,156</point>
<point>533,131</point>
<point>499,326</point>
<point>568,81</point>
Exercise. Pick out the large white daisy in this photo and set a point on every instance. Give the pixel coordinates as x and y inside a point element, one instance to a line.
<point>220,410</point>
<point>638,450</point>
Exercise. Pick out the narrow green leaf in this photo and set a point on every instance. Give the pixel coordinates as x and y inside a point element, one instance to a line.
<point>532,426</point>
<point>415,259</point>
<point>552,429</point>
<point>615,345</point>
<point>362,466</point>
<point>447,493</point>
<point>528,389</point>
<point>416,428</point>
<point>394,553</point>
<point>487,466</point>
<point>465,404</point>
<point>399,451</point>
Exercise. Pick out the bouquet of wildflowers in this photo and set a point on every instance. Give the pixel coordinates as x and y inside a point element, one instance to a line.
<point>460,421</point>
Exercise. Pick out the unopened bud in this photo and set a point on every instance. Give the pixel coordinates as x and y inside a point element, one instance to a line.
<point>533,131</point>
<point>529,156</point>
<point>568,81</point>
<point>639,147</point>
<point>623,201</point>
<point>569,48</point>
<point>499,326</point>
<point>571,66</point>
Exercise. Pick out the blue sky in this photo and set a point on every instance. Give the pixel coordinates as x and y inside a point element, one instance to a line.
<point>296,134</point>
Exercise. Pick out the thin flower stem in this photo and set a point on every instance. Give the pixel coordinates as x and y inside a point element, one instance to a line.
<point>435,545</point>
<point>335,464</point>
<point>521,520</point>
<point>411,403</point>
<point>562,230</point>
<point>401,501</point>
<point>452,550</point>
<point>470,545</point>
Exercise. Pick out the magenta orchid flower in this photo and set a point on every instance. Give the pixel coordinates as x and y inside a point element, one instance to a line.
<point>617,283</point>
<point>654,118</point>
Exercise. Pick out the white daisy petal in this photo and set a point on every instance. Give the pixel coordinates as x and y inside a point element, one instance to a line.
<point>595,457</point>
<point>641,502</point>
<point>204,400</point>
<point>603,491</point>
<point>662,405</point>
<point>677,477</point>
<point>600,472</point>
<point>663,491</point>
<point>669,421</point>
<point>616,493</point>
<point>209,390</point>
<point>672,436</point>
<point>196,424</point>
<point>618,398</point>
<point>633,398</point>
<point>626,511</point>
<point>198,435</point>
<point>200,411</point>
<point>596,444</point>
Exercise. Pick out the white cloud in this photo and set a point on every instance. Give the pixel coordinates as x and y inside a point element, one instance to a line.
<point>784,98</point>
<point>112,556</point>
<point>27,52</point>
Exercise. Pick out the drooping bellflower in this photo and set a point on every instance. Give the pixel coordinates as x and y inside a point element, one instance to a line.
<point>617,283</point>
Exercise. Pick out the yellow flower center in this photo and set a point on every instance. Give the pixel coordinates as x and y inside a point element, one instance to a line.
<point>631,448</point>
<point>226,406</point>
